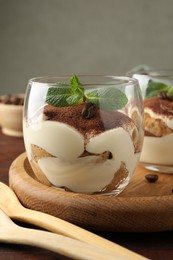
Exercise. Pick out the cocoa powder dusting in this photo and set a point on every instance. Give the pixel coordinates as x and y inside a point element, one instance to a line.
<point>101,121</point>
<point>159,106</point>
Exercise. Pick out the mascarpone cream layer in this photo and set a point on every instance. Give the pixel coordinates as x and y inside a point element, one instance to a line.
<point>158,150</point>
<point>80,174</point>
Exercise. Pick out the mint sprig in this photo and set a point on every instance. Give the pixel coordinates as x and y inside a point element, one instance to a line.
<point>170,91</point>
<point>154,88</point>
<point>58,96</point>
<point>108,98</point>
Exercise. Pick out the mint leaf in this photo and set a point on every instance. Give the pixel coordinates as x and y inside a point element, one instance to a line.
<point>76,86</point>
<point>58,96</point>
<point>62,96</point>
<point>107,98</point>
<point>154,87</point>
<point>75,100</point>
<point>170,91</point>
<point>74,81</point>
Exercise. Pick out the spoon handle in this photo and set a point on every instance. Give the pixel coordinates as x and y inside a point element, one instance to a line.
<point>63,227</point>
<point>57,243</point>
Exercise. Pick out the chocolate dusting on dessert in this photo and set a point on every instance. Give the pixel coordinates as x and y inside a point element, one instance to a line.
<point>164,95</point>
<point>156,126</point>
<point>100,122</point>
<point>159,106</point>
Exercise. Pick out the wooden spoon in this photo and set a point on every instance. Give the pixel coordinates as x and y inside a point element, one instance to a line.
<point>12,233</point>
<point>10,204</point>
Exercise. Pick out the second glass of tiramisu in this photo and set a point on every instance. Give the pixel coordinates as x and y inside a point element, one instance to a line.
<point>157,91</point>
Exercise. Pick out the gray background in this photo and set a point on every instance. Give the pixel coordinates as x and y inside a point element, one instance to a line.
<point>54,37</point>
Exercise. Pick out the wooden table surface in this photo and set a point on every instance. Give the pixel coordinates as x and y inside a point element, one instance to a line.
<point>155,246</point>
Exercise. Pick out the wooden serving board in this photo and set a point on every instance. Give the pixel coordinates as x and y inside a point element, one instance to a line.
<point>141,207</point>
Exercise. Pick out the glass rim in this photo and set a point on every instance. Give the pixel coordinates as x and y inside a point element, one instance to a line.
<point>155,72</point>
<point>120,80</point>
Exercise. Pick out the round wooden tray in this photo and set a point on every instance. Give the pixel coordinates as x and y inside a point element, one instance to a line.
<point>141,207</point>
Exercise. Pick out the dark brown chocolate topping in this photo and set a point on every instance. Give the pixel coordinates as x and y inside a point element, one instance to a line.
<point>159,106</point>
<point>101,121</point>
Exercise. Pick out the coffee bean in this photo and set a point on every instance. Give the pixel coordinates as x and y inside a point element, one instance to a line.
<point>151,177</point>
<point>88,110</point>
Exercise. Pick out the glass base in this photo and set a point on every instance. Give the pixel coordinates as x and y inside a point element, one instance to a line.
<point>157,167</point>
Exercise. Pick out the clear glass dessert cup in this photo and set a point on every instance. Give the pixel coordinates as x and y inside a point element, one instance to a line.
<point>157,92</point>
<point>83,134</point>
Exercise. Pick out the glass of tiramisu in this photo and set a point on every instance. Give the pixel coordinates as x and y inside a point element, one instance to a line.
<point>157,91</point>
<point>83,134</point>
